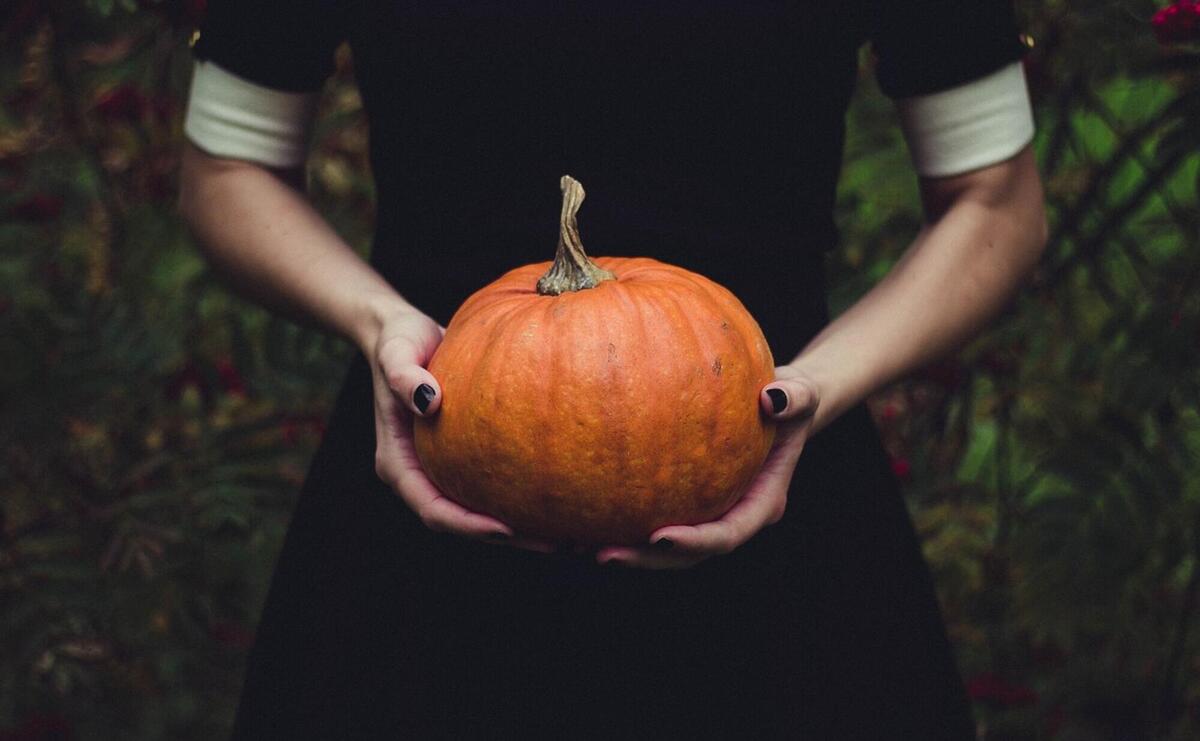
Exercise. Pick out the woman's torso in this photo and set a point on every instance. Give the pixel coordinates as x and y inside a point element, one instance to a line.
<point>707,135</point>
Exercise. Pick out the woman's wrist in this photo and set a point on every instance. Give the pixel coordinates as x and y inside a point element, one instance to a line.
<point>373,315</point>
<point>836,388</point>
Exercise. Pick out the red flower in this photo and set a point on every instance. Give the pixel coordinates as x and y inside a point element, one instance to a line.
<point>230,377</point>
<point>1179,21</point>
<point>39,208</point>
<point>988,687</point>
<point>902,468</point>
<point>124,102</point>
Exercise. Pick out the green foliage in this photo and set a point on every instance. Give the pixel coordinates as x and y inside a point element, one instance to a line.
<point>1055,460</point>
<point>155,428</point>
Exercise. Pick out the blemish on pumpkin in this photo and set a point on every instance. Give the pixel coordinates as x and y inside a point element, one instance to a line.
<point>612,353</point>
<point>725,325</point>
<point>716,367</point>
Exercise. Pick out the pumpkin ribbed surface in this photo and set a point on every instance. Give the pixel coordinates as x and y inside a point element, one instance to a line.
<point>599,415</point>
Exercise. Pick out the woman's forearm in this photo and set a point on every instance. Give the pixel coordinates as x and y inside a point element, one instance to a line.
<point>985,234</point>
<point>271,243</point>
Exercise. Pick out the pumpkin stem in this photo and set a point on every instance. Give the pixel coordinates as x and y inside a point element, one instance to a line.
<point>572,270</point>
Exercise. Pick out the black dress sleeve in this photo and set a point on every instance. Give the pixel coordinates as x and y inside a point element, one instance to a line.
<point>287,45</point>
<point>933,45</point>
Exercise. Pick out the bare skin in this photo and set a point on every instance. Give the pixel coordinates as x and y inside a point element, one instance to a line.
<point>985,231</point>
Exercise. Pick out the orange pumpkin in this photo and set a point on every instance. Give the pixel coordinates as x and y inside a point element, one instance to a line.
<point>601,401</point>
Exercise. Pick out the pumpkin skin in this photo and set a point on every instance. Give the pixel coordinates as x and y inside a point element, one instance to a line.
<point>597,416</point>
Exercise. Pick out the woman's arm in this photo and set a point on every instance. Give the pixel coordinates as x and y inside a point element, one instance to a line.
<point>261,232</point>
<point>985,231</point>
<point>258,229</point>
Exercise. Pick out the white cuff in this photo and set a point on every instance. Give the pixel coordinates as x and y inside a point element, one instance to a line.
<point>970,126</point>
<point>229,116</point>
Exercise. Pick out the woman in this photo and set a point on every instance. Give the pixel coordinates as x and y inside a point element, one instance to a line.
<point>708,135</point>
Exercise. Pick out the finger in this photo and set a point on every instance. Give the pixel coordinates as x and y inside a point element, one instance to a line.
<point>789,398</point>
<point>762,504</point>
<point>646,558</point>
<point>416,388</point>
<point>442,514</point>
<point>397,465</point>
<point>436,511</point>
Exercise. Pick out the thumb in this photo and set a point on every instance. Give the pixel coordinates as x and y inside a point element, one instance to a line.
<point>789,398</point>
<point>416,388</point>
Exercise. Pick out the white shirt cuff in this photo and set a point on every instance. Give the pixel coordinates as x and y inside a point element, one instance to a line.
<point>229,116</point>
<point>970,126</point>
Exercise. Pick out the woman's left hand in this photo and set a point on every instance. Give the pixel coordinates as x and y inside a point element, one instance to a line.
<point>765,498</point>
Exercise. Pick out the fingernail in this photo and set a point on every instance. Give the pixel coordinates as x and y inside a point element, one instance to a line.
<point>499,536</point>
<point>778,400</point>
<point>423,396</point>
<point>664,543</point>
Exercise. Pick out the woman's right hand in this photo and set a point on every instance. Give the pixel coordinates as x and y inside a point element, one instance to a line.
<point>403,388</point>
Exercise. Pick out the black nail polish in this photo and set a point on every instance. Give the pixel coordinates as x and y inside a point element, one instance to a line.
<point>422,396</point>
<point>664,544</point>
<point>779,400</point>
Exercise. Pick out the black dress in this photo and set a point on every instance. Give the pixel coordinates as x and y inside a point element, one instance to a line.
<point>707,134</point>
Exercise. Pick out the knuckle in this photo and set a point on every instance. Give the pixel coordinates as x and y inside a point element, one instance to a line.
<point>812,399</point>
<point>399,350</point>
<point>395,379</point>
<point>431,521</point>
<point>382,469</point>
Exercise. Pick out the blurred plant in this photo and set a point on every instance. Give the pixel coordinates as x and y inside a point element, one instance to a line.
<point>154,429</point>
<point>1179,21</point>
<point>1055,462</point>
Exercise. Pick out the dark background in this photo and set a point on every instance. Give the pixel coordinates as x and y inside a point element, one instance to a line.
<point>154,429</point>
